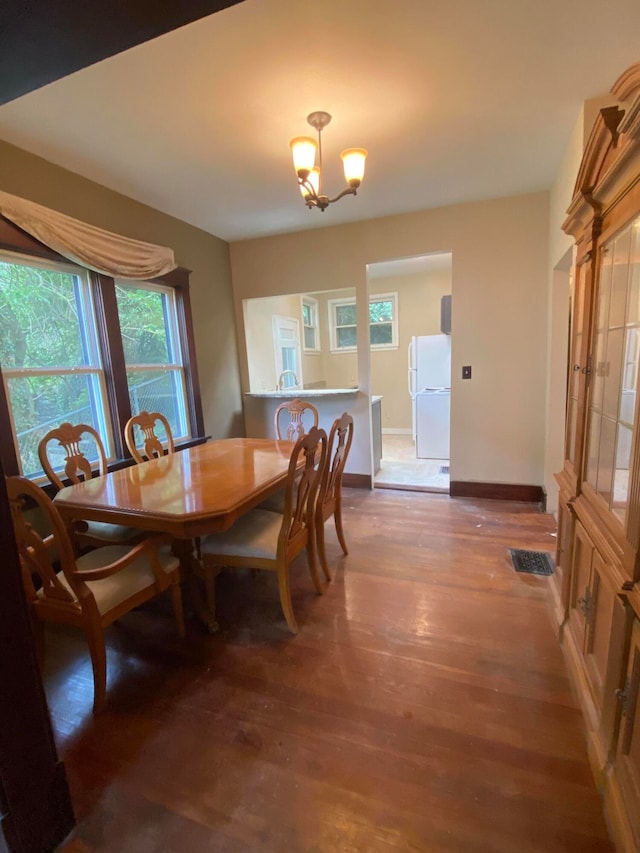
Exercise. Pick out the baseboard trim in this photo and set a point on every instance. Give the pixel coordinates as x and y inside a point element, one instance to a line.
<point>357,481</point>
<point>392,431</point>
<point>498,491</point>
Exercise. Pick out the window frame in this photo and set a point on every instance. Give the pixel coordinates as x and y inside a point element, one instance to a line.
<point>14,240</point>
<point>332,304</point>
<point>93,370</point>
<point>312,304</point>
<point>175,345</point>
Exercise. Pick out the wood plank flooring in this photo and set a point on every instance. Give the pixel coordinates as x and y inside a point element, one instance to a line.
<point>423,706</point>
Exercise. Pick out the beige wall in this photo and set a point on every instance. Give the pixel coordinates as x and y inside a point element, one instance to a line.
<point>258,325</point>
<point>418,314</point>
<point>206,256</point>
<point>499,283</point>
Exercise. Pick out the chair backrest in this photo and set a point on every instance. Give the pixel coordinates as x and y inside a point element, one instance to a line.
<point>338,446</point>
<point>151,444</point>
<point>77,466</point>
<point>295,409</point>
<point>302,488</point>
<point>43,554</point>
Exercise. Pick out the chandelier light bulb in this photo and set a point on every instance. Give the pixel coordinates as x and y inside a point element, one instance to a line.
<point>304,150</point>
<point>353,160</point>
<point>313,179</point>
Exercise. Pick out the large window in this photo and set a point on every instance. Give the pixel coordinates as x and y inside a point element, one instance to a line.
<point>77,346</point>
<point>51,364</point>
<point>152,352</point>
<point>383,322</point>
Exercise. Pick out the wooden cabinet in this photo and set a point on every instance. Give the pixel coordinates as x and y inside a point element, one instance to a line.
<point>627,758</point>
<point>594,639</point>
<point>594,593</point>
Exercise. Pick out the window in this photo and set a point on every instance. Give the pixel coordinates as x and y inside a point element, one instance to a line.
<point>152,353</point>
<point>383,322</point>
<point>65,357</point>
<point>310,324</point>
<point>51,364</point>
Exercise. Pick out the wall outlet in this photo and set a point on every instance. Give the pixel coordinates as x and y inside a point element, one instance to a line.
<point>466,371</point>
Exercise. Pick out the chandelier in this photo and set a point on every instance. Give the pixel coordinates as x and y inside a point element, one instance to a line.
<point>309,175</point>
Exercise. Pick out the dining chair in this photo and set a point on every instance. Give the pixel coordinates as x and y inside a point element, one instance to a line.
<point>71,438</point>
<point>146,423</point>
<point>295,410</point>
<point>329,501</point>
<point>262,539</point>
<point>88,592</point>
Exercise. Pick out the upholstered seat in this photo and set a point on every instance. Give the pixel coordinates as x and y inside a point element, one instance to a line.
<point>89,592</point>
<point>109,592</point>
<point>77,467</point>
<point>267,540</point>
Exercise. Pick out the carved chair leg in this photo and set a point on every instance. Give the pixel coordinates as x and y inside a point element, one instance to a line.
<point>313,562</point>
<point>98,652</point>
<point>284,589</point>
<point>320,546</point>
<point>337,517</point>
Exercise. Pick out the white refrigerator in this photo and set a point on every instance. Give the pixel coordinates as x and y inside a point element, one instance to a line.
<point>430,391</point>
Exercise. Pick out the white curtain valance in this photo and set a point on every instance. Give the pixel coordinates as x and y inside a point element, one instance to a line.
<point>84,244</point>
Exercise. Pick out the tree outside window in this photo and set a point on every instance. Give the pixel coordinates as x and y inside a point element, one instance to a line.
<point>77,346</point>
<point>383,322</point>
<point>155,373</point>
<point>51,364</point>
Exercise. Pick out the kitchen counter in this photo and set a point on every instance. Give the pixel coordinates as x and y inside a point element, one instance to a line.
<point>303,393</point>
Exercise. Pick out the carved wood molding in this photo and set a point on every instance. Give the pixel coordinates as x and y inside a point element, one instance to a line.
<point>611,148</point>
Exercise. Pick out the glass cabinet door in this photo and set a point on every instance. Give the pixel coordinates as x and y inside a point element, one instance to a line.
<point>577,363</point>
<point>614,371</point>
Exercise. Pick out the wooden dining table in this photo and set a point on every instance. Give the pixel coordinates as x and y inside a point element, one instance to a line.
<point>187,494</point>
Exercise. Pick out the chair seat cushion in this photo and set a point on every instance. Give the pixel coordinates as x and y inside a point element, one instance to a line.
<point>112,591</point>
<point>112,533</point>
<point>274,503</point>
<point>253,535</point>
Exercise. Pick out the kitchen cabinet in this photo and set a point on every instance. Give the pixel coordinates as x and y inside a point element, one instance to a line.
<point>593,593</point>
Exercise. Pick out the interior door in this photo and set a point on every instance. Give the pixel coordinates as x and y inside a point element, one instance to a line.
<point>286,341</point>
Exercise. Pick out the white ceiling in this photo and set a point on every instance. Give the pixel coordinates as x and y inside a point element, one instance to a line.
<point>455,101</point>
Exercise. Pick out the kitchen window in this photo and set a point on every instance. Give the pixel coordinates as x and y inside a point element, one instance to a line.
<point>311,337</point>
<point>383,323</point>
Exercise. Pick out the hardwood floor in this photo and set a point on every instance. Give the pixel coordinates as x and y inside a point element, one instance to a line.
<point>423,706</point>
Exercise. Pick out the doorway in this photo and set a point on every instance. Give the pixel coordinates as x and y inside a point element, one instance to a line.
<point>412,373</point>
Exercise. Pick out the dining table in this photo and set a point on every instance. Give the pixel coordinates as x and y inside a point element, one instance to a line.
<point>187,494</point>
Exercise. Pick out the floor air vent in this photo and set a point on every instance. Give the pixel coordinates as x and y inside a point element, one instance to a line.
<point>533,562</point>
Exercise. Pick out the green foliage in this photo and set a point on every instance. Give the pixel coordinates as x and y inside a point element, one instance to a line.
<point>346,315</point>
<point>381,312</point>
<point>39,324</point>
<point>142,324</point>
